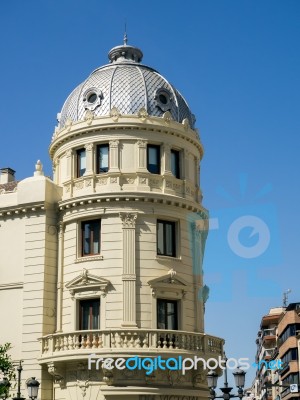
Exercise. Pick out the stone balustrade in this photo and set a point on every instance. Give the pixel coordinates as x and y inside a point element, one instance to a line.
<point>130,341</point>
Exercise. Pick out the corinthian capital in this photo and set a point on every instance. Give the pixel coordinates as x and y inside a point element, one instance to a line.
<point>128,220</point>
<point>113,143</point>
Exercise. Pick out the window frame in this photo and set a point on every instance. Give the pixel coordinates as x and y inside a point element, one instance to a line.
<point>177,163</point>
<point>82,238</point>
<point>174,237</point>
<point>176,313</point>
<point>157,147</point>
<point>80,316</point>
<point>78,152</point>
<point>99,146</point>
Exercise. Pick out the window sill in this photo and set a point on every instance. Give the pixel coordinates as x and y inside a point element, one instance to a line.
<point>88,258</point>
<point>167,258</point>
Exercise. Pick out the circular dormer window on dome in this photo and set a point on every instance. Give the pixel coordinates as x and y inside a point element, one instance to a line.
<point>163,99</point>
<point>92,98</point>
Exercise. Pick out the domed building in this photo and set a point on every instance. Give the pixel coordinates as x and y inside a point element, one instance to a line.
<point>106,285</point>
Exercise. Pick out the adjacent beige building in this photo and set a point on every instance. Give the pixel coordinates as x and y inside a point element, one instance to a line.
<point>106,258</point>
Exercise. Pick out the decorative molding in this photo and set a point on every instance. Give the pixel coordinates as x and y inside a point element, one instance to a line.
<point>114,143</point>
<point>68,124</point>
<point>89,116</point>
<point>143,180</point>
<point>142,143</point>
<point>83,385</point>
<point>56,372</point>
<point>88,182</point>
<point>142,114</point>
<point>128,220</point>
<point>130,180</point>
<point>167,117</point>
<point>11,285</point>
<point>186,124</point>
<point>128,277</point>
<point>171,283</point>
<point>52,230</point>
<point>86,281</point>
<point>102,181</point>
<point>88,258</point>
<point>113,180</point>
<point>114,114</point>
<point>89,146</point>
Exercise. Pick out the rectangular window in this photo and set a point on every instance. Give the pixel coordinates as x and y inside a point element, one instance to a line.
<point>102,158</point>
<point>153,159</point>
<point>175,166</point>
<point>90,233</point>
<point>81,162</point>
<point>89,314</point>
<point>167,316</point>
<point>166,239</point>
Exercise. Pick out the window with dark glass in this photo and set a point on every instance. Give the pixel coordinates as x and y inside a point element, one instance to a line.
<point>167,317</point>
<point>166,240</point>
<point>175,167</point>
<point>89,314</point>
<point>90,232</point>
<point>81,162</point>
<point>102,158</point>
<point>153,158</point>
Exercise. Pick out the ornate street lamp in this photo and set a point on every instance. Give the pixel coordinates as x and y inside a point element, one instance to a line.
<point>33,388</point>
<point>239,377</point>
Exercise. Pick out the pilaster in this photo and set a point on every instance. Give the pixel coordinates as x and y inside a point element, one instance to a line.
<point>129,271</point>
<point>142,155</point>
<point>89,159</point>
<point>114,156</point>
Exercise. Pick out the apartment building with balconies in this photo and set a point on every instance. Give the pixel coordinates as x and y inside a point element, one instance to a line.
<point>288,352</point>
<point>267,351</point>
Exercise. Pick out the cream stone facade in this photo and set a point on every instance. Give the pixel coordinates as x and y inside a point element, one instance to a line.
<point>106,258</point>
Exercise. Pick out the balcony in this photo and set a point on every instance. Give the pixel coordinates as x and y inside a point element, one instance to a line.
<point>118,342</point>
<point>269,335</point>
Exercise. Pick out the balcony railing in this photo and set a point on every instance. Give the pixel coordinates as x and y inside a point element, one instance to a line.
<point>269,332</point>
<point>130,341</point>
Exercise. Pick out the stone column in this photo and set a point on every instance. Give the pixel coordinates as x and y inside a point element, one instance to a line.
<point>167,160</point>
<point>186,165</point>
<point>129,272</point>
<point>89,159</point>
<point>59,285</point>
<point>69,156</point>
<point>114,156</point>
<point>142,155</point>
<point>200,230</point>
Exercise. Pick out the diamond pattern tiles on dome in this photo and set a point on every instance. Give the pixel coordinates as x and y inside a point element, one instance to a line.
<point>69,110</point>
<point>100,79</point>
<point>127,90</point>
<point>184,111</point>
<point>153,82</point>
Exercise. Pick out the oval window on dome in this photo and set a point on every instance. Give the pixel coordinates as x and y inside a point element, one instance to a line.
<point>163,99</point>
<point>92,98</point>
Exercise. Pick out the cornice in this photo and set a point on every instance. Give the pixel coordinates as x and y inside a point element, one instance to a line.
<point>125,123</point>
<point>21,210</point>
<point>120,201</point>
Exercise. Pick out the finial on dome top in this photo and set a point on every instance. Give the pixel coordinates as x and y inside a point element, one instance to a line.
<point>38,169</point>
<point>125,53</point>
<point>125,35</point>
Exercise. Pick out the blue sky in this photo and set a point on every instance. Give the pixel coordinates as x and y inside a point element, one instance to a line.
<point>237,64</point>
